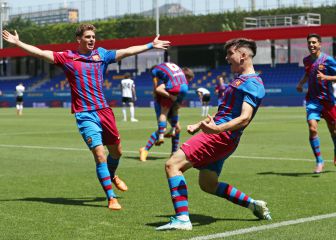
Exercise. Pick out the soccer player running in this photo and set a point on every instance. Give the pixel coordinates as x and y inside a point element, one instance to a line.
<point>84,69</point>
<point>174,133</point>
<point>320,99</point>
<point>219,138</point>
<point>172,118</point>
<point>172,86</point>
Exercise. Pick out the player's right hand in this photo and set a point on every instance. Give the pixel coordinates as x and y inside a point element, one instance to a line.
<point>192,129</point>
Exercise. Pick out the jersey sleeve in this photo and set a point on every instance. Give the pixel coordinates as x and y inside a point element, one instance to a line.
<point>60,57</point>
<point>154,72</point>
<point>109,56</point>
<point>253,93</point>
<point>331,66</point>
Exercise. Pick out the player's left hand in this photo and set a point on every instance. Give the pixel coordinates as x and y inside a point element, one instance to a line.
<point>320,76</point>
<point>160,44</point>
<point>210,127</point>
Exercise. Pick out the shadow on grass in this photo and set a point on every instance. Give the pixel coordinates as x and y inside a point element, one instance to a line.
<point>293,174</point>
<point>63,201</point>
<point>149,158</point>
<point>200,220</point>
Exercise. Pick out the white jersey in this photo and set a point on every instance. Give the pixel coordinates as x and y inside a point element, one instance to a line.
<point>126,87</point>
<point>20,90</point>
<point>204,91</point>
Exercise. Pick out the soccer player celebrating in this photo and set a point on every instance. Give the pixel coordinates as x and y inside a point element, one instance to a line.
<point>84,69</point>
<point>320,99</point>
<point>219,138</point>
<point>172,118</point>
<point>172,86</point>
<point>174,133</point>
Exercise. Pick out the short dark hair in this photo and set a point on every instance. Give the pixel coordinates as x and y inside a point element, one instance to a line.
<point>127,75</point>
<point>84,27</point>
<point>315,35</point>
<point>241,42</point>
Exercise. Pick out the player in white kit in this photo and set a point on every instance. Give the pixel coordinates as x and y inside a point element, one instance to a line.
<point>128,97</point>
<point>204,96</point>
<point>19,98</point>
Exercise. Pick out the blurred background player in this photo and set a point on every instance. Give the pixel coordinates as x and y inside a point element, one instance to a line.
<point>220,87</point>
<point>320,99</point>
<point>172,86</point>
<point>19,98</point>
<point>204,97</point>
<point>219,138</point>
<point>128,97</point>
<point>95,119</point>
<point>174,133</point>
<point>173,119</point>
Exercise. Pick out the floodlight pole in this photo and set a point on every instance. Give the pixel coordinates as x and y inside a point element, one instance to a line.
<point>1,18</point>
<point>157,17</point>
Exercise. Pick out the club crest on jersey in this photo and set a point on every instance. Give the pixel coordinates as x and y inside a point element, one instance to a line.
<point>321,67</point>
<point>237,83</point>
<point>96,57</point>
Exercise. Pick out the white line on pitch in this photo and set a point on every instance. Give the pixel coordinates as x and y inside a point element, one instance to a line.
<point>58,132</point>
<point>158,153</point>
<point>264,227</point>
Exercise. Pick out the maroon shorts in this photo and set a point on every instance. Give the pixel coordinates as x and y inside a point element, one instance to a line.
<point>204,149</point>
<point>329,112</point>
<point>110,132</point>
<point>164,101</point>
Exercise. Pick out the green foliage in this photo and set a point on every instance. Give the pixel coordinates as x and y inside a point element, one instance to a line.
<point>139,26</point>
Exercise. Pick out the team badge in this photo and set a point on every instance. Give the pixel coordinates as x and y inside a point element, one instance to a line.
<point>321,67</point>
<point>237,83</point>
<point>89,140</point>
<point>96,57</point>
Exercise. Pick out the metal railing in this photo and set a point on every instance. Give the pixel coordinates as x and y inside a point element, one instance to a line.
<point>301,19</point>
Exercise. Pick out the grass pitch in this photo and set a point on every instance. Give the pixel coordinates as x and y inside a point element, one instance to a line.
<point>49,190</point>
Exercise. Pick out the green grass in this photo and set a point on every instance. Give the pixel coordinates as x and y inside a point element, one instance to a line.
<point>50,193</point>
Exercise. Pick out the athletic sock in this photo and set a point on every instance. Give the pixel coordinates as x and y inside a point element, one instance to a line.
<point>179,195</point>
<point>112,165</point>
<point>175,142</point>
<point>132,111</point>
<point>315,145</point>
<point>124,113</point>
<point>334,140</point>
<point>162,127</point>
<point>232,194</point>
<point>206,111</point>
<point>105,179</point>
<point>203,111</point>
<point>152,139</point>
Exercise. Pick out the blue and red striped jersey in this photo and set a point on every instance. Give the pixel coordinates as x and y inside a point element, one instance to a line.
<point>320,90</point>
<point>85,74</point>
<point>244,88</point>
<point>172,76</point>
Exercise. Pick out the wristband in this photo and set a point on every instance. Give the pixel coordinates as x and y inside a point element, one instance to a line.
<point>149,45</point>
